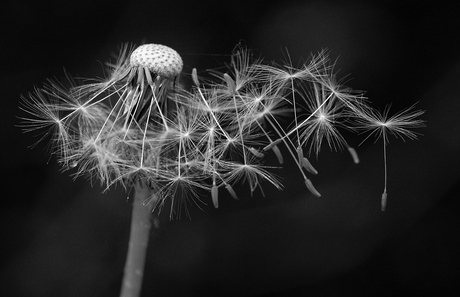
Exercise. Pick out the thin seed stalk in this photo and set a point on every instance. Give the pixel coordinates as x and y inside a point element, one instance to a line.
<point>141,223</point>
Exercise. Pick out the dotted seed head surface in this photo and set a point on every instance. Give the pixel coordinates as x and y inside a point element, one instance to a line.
<point>159,59</point>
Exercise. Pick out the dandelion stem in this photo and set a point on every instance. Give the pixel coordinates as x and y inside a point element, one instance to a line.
<point>141,223</point>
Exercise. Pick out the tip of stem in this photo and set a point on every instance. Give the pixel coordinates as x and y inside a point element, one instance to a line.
<point>354,155</point>
<point>278,154</point>
<point>215,196</point>
<point>231,191</point>
<point>195,77</point>
<point>311,188</point>
<point>384,201</point>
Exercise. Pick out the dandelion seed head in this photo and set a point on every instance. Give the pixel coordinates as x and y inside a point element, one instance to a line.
<point>138,125</point>
<point>159,59</point>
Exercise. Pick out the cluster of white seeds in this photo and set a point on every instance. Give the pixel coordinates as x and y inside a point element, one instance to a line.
<point>121,130</point>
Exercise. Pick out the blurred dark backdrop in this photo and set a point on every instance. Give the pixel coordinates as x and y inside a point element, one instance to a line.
<point>65,238</point>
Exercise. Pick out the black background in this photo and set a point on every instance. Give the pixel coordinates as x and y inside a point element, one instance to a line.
<point>65,238</point>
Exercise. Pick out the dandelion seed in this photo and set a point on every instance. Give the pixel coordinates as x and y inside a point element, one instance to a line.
<point>304,162</point>
<point>230,83</point>
<point>384,201</point>
<point>251,173</point>
<point>311,188</point>
<point>353,154</point>
<point>231,191</point>
<point>215,196</point>
<point>256,152</point>
<point>195,77</point>
<point>381,126</point>
<point>272,144</point>
<point>278,154</point>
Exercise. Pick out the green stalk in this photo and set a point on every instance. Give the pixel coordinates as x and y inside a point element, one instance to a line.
<point>141,223</point>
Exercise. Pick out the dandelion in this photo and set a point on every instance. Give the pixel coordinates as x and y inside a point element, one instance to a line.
<point>381,125</point>
<point>141,129</point>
